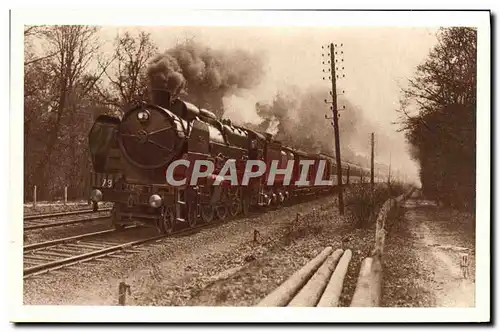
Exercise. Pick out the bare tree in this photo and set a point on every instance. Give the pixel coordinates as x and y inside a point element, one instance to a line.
<point>72,49</point>
<point>128,75</point>
<point>31,32</point>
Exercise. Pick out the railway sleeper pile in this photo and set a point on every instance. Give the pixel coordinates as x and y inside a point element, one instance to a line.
<point>319,283</point>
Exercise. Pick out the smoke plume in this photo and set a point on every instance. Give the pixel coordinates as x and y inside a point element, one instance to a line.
<point>205,76</point>
<point>297,118</point>
<point>232,84</point>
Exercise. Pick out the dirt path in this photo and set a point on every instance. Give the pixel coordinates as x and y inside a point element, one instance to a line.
<point>441,239</point>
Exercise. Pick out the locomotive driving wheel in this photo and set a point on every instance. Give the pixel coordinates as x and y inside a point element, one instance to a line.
<point>192,217</point>
<point>234,202</point>
<point>245,205</point>
<point>207,213</point>
<point>235,207</point>
<point>221,212</point>
<point>167,221</point>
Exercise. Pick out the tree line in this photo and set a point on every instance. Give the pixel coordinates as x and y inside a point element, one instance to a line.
<point>68,81</point>
<point>438,109</point>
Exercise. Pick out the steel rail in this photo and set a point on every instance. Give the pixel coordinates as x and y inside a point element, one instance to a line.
<point>62,223</point>
<point>66,261</point>
<point>68,239</point>
<point>61,214</point>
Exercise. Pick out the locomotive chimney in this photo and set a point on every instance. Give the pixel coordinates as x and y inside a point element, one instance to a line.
<point>161,97</point>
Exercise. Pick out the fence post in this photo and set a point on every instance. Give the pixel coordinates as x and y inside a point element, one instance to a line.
<point>123,289</point>
<point>34,196</point>
<point>65,195</point>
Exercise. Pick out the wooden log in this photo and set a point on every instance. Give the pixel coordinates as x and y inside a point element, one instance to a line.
<point>285,292</point>
<point>382,216</point>
<point>331,295</point>
<point>380,226</point>
<point>310,294</point>
<point>368,287</point>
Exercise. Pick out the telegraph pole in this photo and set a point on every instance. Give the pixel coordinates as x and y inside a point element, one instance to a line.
<point>335,116</point>
<point>390,160</point>
<point>372,173</point>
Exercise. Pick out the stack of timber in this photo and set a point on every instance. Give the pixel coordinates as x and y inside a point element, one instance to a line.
<point>318,283</point>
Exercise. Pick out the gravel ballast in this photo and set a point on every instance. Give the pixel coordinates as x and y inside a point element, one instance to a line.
<point>57,232</point>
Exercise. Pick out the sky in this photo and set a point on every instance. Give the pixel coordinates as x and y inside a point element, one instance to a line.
<point>377,63</point>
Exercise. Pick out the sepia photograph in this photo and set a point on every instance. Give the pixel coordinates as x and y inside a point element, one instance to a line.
<point>333,163</point>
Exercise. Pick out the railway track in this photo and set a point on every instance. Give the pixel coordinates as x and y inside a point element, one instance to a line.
<point>38,223</point>
<point>62,214</point>
<point>51,255</point>
<point>56,254</point>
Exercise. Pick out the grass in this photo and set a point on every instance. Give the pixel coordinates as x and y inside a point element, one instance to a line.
<point>301,227</point>
<point>362,206</point>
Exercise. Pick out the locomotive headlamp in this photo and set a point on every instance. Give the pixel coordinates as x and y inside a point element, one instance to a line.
<point>143,116</point>
<point>96,195</point>
<point>155,201</point>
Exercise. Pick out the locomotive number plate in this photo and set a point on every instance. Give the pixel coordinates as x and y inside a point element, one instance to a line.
<point>107,183</point>
<point>103,180</point>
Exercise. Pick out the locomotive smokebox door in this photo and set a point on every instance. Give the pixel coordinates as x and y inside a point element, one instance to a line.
<point>151,137</point>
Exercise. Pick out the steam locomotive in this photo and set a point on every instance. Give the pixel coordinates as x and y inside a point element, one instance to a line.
<point>130,156</point>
